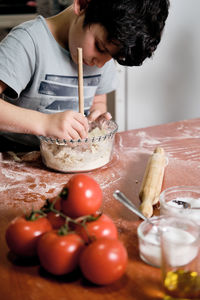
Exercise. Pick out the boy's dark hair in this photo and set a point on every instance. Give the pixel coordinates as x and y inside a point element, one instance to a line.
<point>136,25</point>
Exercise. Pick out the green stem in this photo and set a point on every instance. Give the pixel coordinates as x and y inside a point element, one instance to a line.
<point>81,221</point>
<point>35,214</point>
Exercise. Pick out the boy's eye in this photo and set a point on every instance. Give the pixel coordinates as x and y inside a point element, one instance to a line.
<point>101,50</point>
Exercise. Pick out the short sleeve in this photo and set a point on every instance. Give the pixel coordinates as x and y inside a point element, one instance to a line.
<point>17,60</point>
<point>108,81</point>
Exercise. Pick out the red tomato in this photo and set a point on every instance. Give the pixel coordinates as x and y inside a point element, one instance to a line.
<point>57,202</point>
<point>22,235</point>
<point>102,227</point>
<point>81,196</point>
<point>104,261</point>
<point>59,254</point>
<point>55,219</point>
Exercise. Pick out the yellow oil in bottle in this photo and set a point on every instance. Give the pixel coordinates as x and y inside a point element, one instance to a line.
<point>182,284</point>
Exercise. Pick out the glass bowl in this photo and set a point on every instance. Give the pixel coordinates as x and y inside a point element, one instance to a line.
<point>81,155</point>
<point>149,241</point>
<point>183,201</point>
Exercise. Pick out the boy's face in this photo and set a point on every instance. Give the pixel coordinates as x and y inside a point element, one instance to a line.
<point>93,40</point>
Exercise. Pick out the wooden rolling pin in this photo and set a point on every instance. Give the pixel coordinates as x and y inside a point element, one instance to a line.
<point>152,182</point>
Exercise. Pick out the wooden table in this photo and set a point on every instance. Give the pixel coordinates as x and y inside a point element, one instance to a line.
<point>23,185</point>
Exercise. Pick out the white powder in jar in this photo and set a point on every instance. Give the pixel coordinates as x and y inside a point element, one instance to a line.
<point>179,246</point>
<point>79,156</point>
<point>194,203</point>
<point>150,248</point>
<point>172,208</point>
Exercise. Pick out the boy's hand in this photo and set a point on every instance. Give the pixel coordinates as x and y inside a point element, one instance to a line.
<point>67,125</point>
<point>97,116</point>
<point>98,110</point>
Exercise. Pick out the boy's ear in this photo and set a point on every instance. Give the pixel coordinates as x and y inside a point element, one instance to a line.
<point>79,6</point>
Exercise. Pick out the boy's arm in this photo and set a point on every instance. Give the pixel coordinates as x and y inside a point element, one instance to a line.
<point>99,108</point>
<point>67,124</point>
<point>99,103</point>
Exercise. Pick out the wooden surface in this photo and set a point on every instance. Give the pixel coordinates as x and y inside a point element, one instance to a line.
<point>23,185</point>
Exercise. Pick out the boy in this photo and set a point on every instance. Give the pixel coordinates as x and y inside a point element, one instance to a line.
<point>38,64</point>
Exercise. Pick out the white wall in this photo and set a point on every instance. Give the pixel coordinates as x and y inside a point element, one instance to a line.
<point>166,87</point>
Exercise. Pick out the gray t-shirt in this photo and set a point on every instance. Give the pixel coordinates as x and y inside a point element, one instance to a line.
<point>41,75</point>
